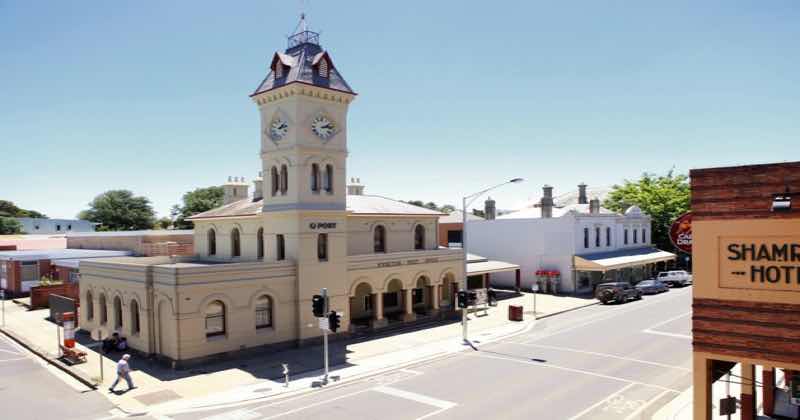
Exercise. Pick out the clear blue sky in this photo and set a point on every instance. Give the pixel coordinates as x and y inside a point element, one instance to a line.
<point>152,96</point>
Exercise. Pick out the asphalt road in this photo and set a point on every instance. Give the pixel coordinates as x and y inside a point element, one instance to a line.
<point>30,389</point>
<point>601,362</point>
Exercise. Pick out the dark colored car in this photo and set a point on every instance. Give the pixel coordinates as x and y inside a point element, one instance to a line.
<point>651,287</point>
<point>619,292</point>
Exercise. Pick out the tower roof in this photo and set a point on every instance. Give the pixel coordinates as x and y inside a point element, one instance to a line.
<point>301,62</point>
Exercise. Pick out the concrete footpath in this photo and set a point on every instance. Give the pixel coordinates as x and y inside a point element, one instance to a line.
<point>163,390</point>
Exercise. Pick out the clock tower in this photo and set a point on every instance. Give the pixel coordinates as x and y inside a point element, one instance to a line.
<point>303,103</point>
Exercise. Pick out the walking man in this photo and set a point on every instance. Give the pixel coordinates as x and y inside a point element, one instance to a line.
<point>123,372</point>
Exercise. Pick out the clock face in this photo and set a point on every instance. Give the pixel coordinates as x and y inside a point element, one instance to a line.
<point>323,127</point>
<point>278,128</point>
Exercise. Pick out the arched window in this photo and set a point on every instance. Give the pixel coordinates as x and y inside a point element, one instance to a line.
<point>215,319</point>
<point>284,179</point>
<point>315,177</point>
<point>635,236</point>
<point>380,239</point>
<point>597,237</point>
<point>328,179</point>
<point>236,243</point>
<point>263,312</point>
<point>608,236</point>
<point>260,243</point>
<point>278,70</point>
<point>280,247</point>
<point>212,242</point>
<point>117,313</point>
<point>135,326</point>
<point>274,180</point>
<point>89,305</point>
<point>419,237</point>
<point>644,232</point>
<point>322,247</point>
<point>103,309</point>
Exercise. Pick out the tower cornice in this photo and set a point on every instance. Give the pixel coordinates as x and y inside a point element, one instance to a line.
<point>303,89</point>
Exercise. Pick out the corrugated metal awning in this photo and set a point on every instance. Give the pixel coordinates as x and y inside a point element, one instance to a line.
<point>484,267</point>
<point>621,259</point>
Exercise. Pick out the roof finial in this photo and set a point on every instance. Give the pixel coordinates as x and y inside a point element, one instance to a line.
<point>301,33</point>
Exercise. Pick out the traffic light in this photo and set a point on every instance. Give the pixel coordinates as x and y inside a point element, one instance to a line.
<point>463,299</point>
<point>472,298</point>
<point>318,305</point>
<point>334,320</point>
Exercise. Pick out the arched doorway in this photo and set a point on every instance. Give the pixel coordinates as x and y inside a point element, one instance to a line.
<point>361,306</point>
<point>421,296</point>
<point>393,299</point>
<point>449,289</point>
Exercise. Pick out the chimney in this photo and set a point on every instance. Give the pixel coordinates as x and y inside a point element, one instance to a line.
<point>355,187</point>
<point>594,206</point>
<point>234,190</point>
<point>547,202</point>
<point>258,187</point>
<point>489,209</point>
<point>582,194</point>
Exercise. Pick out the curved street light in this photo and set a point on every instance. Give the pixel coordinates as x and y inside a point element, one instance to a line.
<point>465,204</point>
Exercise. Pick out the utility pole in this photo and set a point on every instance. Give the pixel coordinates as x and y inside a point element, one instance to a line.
<point>325,334</point>
<point>3,303</point>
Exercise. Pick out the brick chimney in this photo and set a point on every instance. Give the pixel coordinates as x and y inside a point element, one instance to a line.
<point>594,206</point>
<point>582,194</point>
<point>547,202</point>
<point>489,209</point>
<point>258,187</point>
<point>234,190</point>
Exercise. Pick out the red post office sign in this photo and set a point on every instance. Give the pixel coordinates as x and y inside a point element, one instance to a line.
<point>681,233</point>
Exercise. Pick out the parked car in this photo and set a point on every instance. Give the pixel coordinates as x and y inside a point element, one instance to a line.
<point>675,278</point>
<point>619,292</point>
<point>651,287</point>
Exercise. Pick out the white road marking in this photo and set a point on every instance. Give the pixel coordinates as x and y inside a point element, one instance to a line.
<point>413,372</point>
<point>13,360</point>
<point>15,353</point>
<point>569,369</point>
<point>666,334</point>
<point>644,406</point>
<point>592,353</point>
<point>413,396</point>
<point>595,405</point>
<point>675,318</point>
<point>612,314</point>
<point>241,414</point>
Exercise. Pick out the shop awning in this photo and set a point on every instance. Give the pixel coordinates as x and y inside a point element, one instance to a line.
<point>614,260</point>
<point>477,265</point>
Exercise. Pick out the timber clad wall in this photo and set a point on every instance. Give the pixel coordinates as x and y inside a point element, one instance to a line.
<point>743,191</point>
<point>747,329</point>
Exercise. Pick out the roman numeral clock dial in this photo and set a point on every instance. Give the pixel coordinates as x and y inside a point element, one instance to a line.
<point>278,129</point>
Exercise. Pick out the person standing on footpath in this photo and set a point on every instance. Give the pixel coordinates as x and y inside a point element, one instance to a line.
<point>123,372</point>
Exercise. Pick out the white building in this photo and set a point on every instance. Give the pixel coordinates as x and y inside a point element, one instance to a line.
<point>38,226</point>
<point>584,243</point>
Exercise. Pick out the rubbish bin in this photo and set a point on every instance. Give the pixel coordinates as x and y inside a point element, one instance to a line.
<point>514,313</point>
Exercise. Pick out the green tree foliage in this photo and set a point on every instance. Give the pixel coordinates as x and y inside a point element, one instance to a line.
<point>447,208</point>
<point>194,202</point>
<point>664,198</point>
<point>430,205</point>
<point>120,210</point>
<point>164,223</point>
<point>8,209</point>
<point>9,226</point>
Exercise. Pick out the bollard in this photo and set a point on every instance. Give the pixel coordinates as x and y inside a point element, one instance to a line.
<point>285,375</point>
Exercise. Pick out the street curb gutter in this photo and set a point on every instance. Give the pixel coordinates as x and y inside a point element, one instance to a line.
<point>46,357</point>
<point>568,310</point>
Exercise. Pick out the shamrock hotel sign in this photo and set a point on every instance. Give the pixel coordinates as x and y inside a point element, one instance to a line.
<point>760,263</point>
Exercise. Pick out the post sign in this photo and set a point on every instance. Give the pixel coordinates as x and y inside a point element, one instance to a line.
<point>760,263</point>
<point>680,233</point>
<point>482,296</point>
<point>727,406</point>
<point>323,323</point>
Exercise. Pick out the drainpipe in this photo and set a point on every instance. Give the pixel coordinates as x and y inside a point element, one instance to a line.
<point>177,317</point>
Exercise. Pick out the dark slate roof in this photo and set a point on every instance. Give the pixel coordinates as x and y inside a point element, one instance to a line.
<point>300,59</point>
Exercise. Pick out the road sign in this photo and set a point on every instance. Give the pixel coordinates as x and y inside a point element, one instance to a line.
<point>323,323</point>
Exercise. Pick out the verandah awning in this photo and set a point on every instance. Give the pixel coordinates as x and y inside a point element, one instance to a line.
<point>477,265</point>
<point>605,261</point>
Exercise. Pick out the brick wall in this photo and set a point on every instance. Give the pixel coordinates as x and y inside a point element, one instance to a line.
<point>743,191</point>
<point>40,294</point>
<point>167,249</point>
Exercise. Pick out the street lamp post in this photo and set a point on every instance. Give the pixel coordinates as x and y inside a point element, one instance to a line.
<point>464,204</point>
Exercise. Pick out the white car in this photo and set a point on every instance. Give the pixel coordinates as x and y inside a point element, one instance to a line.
<point>675,278</point>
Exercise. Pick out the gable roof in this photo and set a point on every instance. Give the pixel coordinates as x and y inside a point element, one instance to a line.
<point>356,204</point>
<point>301,60</point>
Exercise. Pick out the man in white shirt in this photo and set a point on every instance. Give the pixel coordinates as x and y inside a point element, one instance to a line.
<point>123,372</point>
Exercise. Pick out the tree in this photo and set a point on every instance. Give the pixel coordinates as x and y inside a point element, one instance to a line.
<point>9,209</point>
<point>479,213</point>
<point>663,198</point>
<point>194,202</point>
<point>9,226</point>
<point>120,210</point>
<point>164,223</point>
<point>447,208</point>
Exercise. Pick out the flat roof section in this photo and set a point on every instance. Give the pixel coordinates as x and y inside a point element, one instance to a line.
<point>604,261</point>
